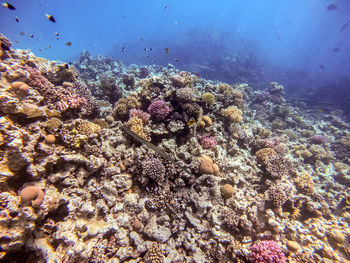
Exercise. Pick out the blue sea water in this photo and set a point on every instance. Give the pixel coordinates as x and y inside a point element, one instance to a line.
<point>300,43</point>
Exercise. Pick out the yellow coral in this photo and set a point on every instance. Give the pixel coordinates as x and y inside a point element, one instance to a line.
<point>86,128</point>
<point>263,155</point>
<point>1,139</point>
<point>53,124</point>
<point>208,98</point>
<point>232,113</point>
<point>135,124</point>
<point>123,106</point>
<point>204,121</point>
<point>305,184</point>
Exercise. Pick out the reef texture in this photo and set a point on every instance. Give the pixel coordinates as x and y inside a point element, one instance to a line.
<point>203,172</point>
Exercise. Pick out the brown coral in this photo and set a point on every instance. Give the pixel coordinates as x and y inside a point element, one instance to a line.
<point>207,166</point>
<point>305,184</point>
<point>124,105</point>
<point>232,113</point>
<point>135,124</point>
<point>263,155</point>
<point>32,194</point>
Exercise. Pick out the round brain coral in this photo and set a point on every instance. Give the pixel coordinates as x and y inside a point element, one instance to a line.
<point>232,113</point>
<point>267,251</point>
<point>208,98</point>
<point>32,194</point>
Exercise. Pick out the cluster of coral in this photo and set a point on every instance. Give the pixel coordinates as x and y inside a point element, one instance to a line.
<point>106,163</point>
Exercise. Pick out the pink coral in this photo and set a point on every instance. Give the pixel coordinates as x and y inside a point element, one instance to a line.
<point>319,139</point>
<point>208,142</point>
<point>159,109</point>
<point>144,116</point>
<point>267,251</point>
<point>76,101</point>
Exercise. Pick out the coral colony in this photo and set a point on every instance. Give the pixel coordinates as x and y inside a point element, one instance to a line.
<point>106,163</point>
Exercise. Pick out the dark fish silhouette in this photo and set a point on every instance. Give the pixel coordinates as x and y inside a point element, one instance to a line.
<point>22,33</point>
<point>322,67</point>
<point>336,49</point>
<point>51,18</point>
<point>17,19</point>
<point>332,7</point>
<point>57,34</point>
<point>123,49</point>
<point>31,35</point>
<point>4,46</point>
<point>167,50</point>
<point>9,6</point>
<point>344,27</point>
<point>68,44</point>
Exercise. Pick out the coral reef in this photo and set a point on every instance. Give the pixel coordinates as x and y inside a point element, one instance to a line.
<point>172,172</point>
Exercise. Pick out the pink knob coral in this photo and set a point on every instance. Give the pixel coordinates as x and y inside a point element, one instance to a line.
<point>267,251</point>
<point>159,109</point>
<point>208,142</point>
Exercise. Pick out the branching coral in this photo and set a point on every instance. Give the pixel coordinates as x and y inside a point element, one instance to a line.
<point>124,105</point>
<point>135,124</point>
<point>305,183</point>
<point>154,169</point>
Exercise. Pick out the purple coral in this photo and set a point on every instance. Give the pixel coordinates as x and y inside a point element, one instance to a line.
<point>208,142</point>
<point>267,251</point>
<point>144,116</point>
<point>319,139</point>
<point>159,109</point>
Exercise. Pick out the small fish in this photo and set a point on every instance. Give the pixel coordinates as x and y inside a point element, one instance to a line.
<point>321,67</point>
<point>191,122</point>
<point>57,34</point>
<point>167,50</point>
<point>141,39</point>
<point>51,18</point>
<point>31,35</point>
<point>68,44</point>
<point>176,60</point>
<point>150,49</point>
<point>48,46</point>
<point>335,49</point>
<point>40,49</point>
<point>17,19</point>
<point>57,38</point>
<point>123,49</point>
<point>145,49</point>
<point>332,7</point>
<point>9,6</point>
<point>22,33</point>
<point>343,27</point>
<point>165,7</point>
<point>17,42</point>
